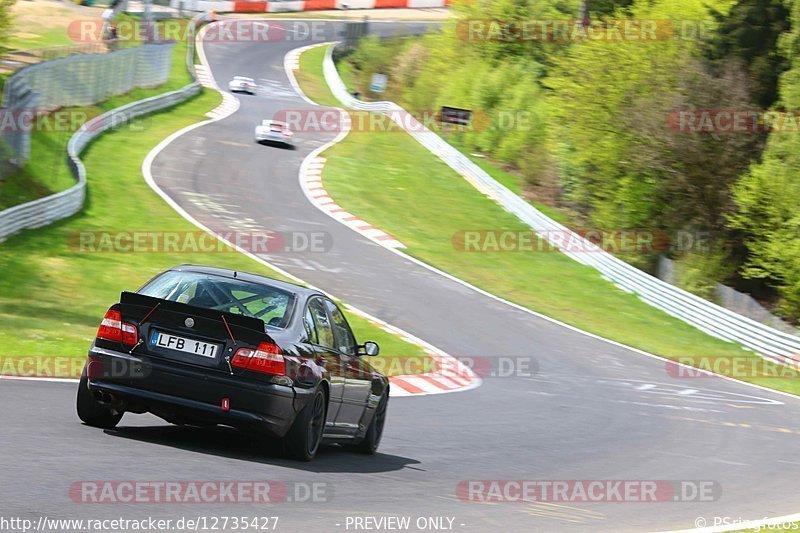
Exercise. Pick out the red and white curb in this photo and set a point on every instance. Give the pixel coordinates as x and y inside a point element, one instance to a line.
<point>282,6</point>
<point>451,375</point>
<point>311,182</point>
<point>291,61</point>
<point>204,77</point>
<point>313,164</point>
<point>230,104</point>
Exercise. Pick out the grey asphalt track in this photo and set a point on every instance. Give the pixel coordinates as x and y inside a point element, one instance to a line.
<point>593,411</point>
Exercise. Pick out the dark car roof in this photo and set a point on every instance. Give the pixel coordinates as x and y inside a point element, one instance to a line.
<point>294,288</point>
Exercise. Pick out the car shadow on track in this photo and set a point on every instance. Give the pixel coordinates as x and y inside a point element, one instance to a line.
<point>281,146</point>
<point>230,443</point>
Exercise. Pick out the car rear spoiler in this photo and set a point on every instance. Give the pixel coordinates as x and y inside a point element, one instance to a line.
<point>150,302</point>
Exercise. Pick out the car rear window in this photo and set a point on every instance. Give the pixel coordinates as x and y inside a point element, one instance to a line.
<point>270,304</point>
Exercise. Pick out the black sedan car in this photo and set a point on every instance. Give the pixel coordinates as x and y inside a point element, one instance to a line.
<point>207,346</point>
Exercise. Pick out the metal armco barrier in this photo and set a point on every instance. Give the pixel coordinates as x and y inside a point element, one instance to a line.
<point>66,203</point>
<point>702,314</point>
<point>87,79</point>
<point>80,80</point>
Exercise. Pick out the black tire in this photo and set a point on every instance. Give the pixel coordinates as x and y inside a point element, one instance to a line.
<point>303,439</point>
<point>369,445</point>
<point>93,413</point>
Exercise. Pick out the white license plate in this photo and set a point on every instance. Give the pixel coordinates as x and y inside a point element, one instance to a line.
<point>182,344</point>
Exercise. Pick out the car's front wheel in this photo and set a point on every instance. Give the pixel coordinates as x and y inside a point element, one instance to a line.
<point>375,430</point>
<point>91,412</point>
<point>305,436</point>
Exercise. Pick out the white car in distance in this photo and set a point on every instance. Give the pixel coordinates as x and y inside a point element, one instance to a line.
<point>242,84</point>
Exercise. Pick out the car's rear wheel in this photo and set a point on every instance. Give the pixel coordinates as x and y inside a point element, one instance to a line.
<point>305,436</point>
<point>91,412</point>
<point>375,431</point>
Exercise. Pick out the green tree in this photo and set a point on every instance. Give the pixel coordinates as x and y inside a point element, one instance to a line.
<point>768,196</point>
<point>749,32</point>
<point>620,162</point>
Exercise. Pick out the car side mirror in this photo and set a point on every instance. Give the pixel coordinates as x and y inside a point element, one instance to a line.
<point>369,348</point>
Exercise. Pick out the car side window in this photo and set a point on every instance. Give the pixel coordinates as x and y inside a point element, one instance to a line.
<point>311,329</point>
<point>323,325</point>
<point>345,340</point>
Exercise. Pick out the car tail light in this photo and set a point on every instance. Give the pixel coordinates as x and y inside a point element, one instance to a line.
<point>129,334</point>
<point>267,358</point>
<point>112,328</point>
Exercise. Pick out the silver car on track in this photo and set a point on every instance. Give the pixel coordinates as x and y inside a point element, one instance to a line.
<point>273,131</point>
<point>242,84</point>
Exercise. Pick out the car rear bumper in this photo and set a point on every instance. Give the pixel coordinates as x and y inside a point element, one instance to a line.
<point>261,137</point>
<point>185,393</point>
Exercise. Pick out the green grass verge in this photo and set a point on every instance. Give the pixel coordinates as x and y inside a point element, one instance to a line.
<point>514,183</point>
<point>399,173</point>
<point>309,75</point>
<point>52,297</point>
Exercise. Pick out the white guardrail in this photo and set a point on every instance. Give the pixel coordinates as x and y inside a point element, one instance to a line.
<point>702,314</point>
<point>66,203</point>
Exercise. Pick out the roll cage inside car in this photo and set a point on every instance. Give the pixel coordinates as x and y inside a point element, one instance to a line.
<point>221,293</point>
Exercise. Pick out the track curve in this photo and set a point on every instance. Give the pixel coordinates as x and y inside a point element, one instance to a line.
<point>594,410</point>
